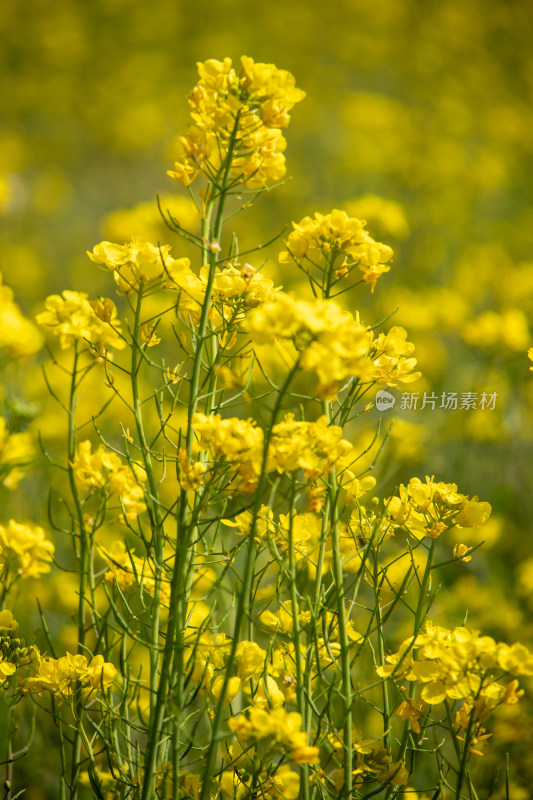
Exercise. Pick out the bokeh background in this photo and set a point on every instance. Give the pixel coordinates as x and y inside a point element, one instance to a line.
<point>418,118</point>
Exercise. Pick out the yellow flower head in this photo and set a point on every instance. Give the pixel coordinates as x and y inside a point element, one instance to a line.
<point>250,659</point>
<point>132,264</point>
<point>25,550</point>
<point>61,676</point>
<point>430,508</point>
<point>333,344</point>
<point>244,110</point>
<point>129,570</point>
<point>456,664</point>
<point>283,728</point>
<point>238,442</point>
<point>341,242</point>
<point>72,317</point>
<point>103,469</point>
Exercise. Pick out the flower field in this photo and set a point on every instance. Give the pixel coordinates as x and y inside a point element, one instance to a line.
<point>266,400</point>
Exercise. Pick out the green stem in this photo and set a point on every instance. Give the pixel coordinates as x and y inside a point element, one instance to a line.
<point>296,636</point>
<point>419,618</point>
<point>158,544</point>
<point>56,716</point>
<point>347,699</point>
<point>381,652</point>
<point>422,596</point>
<point>85,554</point>
<point>172,662</point>
<point>244,597</point>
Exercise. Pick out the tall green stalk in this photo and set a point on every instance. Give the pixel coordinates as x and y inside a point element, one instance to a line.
<point>84,554</point>
<point>172,662</point>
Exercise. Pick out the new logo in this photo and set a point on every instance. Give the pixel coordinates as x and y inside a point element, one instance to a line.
<point>384,400</point>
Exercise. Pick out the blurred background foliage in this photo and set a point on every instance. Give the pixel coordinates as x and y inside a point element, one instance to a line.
<point>418,118</point>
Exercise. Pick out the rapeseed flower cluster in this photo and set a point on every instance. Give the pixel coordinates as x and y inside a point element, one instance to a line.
<point>238,442</point>
<point>133,263</point>
<point>103,470</point>
<point>238,290</point>
<point>234,291</point>
<point>24,550</point>
<point>249,666</point>
<point>429,508</point>
<point>314,447</point>
<point>13,652</point>
<point>457,664</point>
<point>72,317</point>
<point>279,728</point>
<point>239,113</point>
<point>333,344</point>
<point>63,676</point>
<point>235,288</point>
<point>340,242</point>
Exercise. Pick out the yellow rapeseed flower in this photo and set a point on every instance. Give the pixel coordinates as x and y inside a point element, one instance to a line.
<point>246,108</point>
<point>62,676</point>
<point>283,728</point>
<point>104,470</point>
<point>72,318</point>
<point>25,550</point>
<point>334,236</point>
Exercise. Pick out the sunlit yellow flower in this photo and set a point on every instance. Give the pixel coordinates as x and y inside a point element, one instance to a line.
<point>238,442</point>
<point>242,522</point>
<point>461,551</point>
<point>25,550</point>
<point>129,570</point>
<point>280,620</point>
<point>268,694</point>
<point>232,690</point>
<point>333,343</point>
<point>473,514</point>
<point>337,236</point>
<point>282,727</point>
<point>103,469</point>
<point>135,263</point>
<point>430,508</point>
<point>515,659</point>
<point>72,318</point>
<point>314,447</point>
<point>62,676</point>
<point>243,110</point>
<point>456,664</point>
<point>250,659</point>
